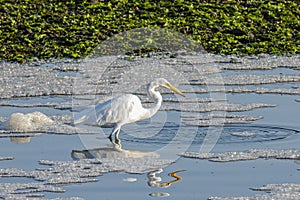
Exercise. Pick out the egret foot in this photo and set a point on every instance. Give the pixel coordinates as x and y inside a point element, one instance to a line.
<point>118,141</point>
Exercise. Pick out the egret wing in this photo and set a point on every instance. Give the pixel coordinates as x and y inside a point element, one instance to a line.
<point>120,110</point>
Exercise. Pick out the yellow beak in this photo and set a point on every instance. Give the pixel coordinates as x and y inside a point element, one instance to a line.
<point>174,89</point>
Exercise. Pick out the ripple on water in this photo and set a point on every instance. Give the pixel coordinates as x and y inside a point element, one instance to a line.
<point>238,134</point>
<point>230,134</point>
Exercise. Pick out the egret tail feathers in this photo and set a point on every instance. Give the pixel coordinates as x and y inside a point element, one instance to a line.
<point>84,117</point>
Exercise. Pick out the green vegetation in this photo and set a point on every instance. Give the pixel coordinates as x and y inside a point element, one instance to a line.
<point>42,29</point>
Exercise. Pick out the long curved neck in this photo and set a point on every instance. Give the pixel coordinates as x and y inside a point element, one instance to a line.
<point>158,100</point>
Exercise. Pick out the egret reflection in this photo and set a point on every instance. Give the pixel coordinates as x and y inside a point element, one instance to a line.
<point>113,150</point>
<point>131,161</point>
<point>156,181</point>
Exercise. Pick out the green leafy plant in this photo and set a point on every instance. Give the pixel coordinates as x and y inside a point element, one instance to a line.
<point>53,29</point>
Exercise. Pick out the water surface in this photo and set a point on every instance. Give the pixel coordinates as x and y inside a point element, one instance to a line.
<point>253,108</point>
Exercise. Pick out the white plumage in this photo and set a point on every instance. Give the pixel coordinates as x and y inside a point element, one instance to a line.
<point>124,109</point>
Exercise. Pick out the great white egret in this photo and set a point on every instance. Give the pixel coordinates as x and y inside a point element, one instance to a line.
<point>125,109</point>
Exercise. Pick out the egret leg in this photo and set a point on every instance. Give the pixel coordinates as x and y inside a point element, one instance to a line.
<point>117,140</point>
<point>115,132</point>
<point>117,145</point>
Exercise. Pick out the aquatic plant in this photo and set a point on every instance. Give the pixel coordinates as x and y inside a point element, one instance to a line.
<point>55,29</point>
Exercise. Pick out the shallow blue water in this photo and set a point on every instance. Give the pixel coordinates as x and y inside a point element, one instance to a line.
<point>201,179</point>
<point>278,129</point>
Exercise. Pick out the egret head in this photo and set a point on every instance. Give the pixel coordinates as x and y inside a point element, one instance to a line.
<point>164,83</point>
